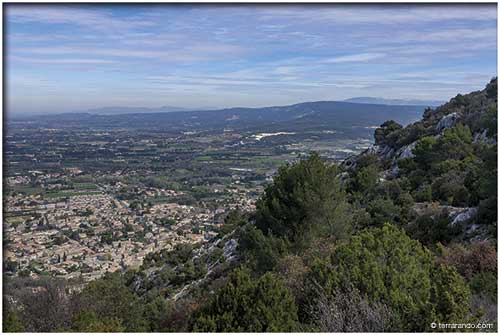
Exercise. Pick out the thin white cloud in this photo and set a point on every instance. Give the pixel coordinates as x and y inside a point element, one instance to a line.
<point>194,52</point>
<point>362,57</point>
<point>62,60</point>
<point>74,15</point>
<point>382,14</point>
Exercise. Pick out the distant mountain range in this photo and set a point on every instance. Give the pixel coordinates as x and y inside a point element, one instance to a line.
<point>394,102</point>
<point>308,115</point>
<point>168,109</point>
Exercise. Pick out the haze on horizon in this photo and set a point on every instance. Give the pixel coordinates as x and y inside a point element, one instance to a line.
<point>62,58</point>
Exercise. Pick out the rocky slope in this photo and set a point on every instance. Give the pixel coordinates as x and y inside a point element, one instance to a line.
<point>395,146</point>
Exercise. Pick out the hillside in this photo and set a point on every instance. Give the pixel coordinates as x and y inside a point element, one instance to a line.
<point>400,238</point>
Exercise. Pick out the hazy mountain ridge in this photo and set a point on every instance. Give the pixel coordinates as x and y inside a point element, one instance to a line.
<point>307,114</point>
<point>397,102</point>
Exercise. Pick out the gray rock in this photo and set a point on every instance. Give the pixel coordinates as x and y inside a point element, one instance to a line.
<point>448,121</point>
<point>466,215</point>
<point>482,137</point>
<point>230,248</point>
<point>349,162</point>
<point>385,152</point>
<point>407,151</point>
<point>394,171</point>
<point>343,177</point>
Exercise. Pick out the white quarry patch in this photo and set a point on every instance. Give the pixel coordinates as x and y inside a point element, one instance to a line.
<point>241,169</point>
<point>260,136</point>
<point>349,151</point>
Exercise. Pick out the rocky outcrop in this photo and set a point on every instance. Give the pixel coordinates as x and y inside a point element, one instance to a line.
<point>229,249</point>
<point>406,151</point>
<point>482,137</point>
<point>383,151</point>
<point>462,215</point>
<point>448,121</point>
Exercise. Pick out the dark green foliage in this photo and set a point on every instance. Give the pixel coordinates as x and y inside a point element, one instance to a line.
<point>248,305</point>
<point>492,89</point>
<point>386,134</point>
<point>425,152</point>
<point>387,266</point>
<point>382,210</point>
<point>485,283</point>
<point>450,187</point>
<point>455,143</point>
<point>423,193</point>
<point>260,251</point>
<point>433,228</point>
<point>156,313</point>
<point>305,200</point>
<point>383,200</point>
<point>366,179</point>
<point>176,268</point>
<point>489,121</point>
<point>178,255</point>
<point>233,220</point>
<point>110,298</point>
<point>452,169</point>
<point>486,187</point>
<point>11,321</point>
<point>87,321</point>
<point>449,294</point>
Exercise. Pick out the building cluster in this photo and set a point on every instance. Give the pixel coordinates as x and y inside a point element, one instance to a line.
<point>85,235</point>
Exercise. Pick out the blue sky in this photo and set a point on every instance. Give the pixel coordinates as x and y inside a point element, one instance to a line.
<point>63,58</point>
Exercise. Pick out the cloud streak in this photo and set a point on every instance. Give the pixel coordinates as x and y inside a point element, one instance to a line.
<point>362,57</point>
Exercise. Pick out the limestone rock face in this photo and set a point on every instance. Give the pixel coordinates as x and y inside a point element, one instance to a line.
<point>448,121</point>
<point>406,151</point>
<point>482,137</point>
<point>385,152</point>
<point>230,248</point>
<point>461,216</point>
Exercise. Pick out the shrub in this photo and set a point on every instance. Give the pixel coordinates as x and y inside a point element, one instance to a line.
<point>470,259</point>
<point>432,228</point>
<point>388,267</point>
<point>305,200</point>
<point>246,305</point>
<point>485,283</point>
<point>261,252</point>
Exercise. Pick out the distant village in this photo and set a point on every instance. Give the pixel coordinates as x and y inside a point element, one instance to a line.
<point>84,235</point>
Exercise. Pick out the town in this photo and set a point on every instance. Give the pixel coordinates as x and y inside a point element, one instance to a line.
<point>78,204</point>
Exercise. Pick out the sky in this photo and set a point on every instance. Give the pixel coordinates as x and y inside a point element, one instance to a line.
<point>65,58</point>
